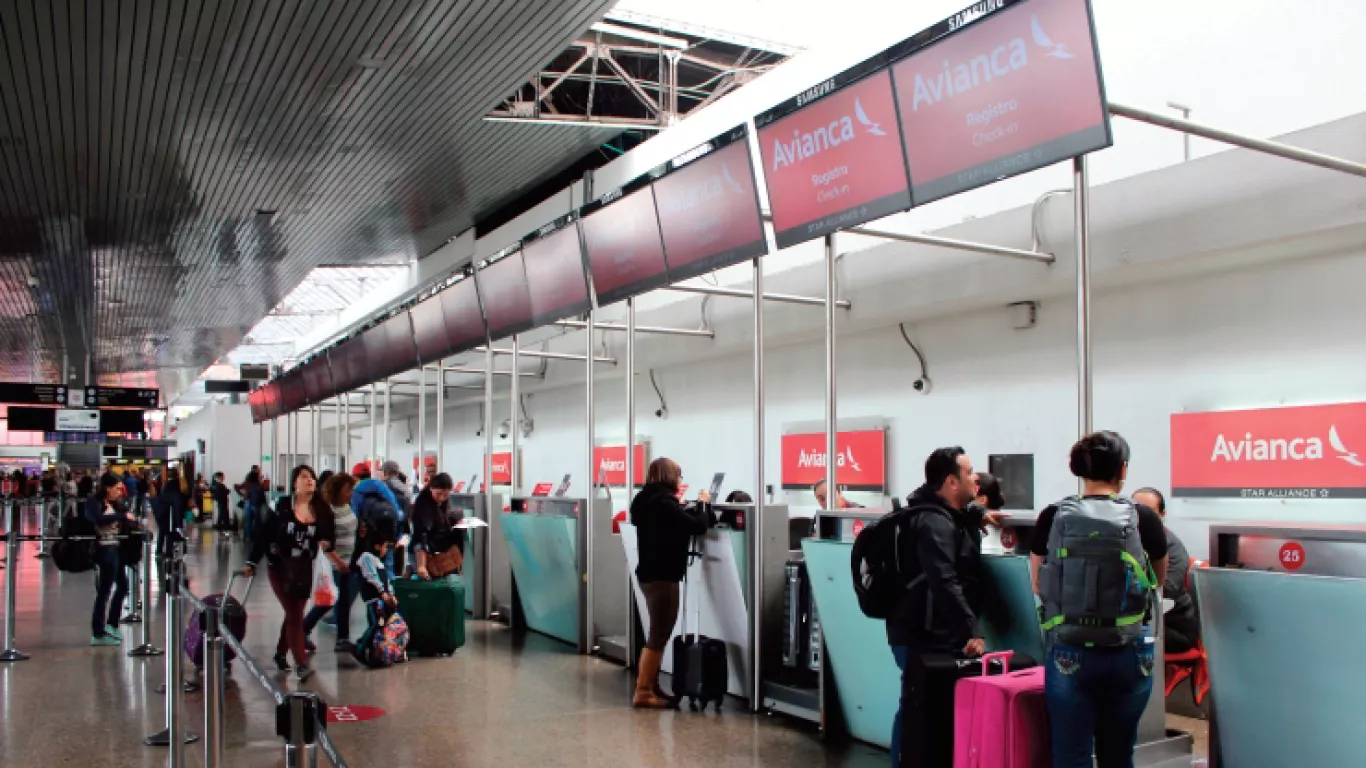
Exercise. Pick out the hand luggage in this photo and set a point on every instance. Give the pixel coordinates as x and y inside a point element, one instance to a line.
<point>435,613</point>
<point>928,688</point>
<point>385,641</point>
<point>1001,721</point>
<point>234,616</point>
<point>701,667</point>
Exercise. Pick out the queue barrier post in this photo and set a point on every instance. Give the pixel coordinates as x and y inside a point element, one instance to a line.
<point>42,527</point>
<point>214,671</point>
<point>146,648</point>
<point>174,694</point>
<point>298,719</point>
<point>11,653</point>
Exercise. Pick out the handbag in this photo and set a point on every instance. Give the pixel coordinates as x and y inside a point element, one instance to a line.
<point>445,563</point>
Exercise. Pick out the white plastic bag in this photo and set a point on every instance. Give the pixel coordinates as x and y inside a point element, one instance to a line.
<point>324,588</point>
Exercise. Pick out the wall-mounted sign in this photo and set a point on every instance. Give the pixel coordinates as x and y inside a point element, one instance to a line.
<point>861,460</point>
<point>611,463</point>
<point>502,468</point>
<point>73,420</point>
<point>1301,452</point>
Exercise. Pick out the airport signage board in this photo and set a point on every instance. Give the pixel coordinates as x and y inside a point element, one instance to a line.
<point>76,420</point>
<point>226,386</point>
<point>553,257</point>
<point>832,156</point>
<point>464,322</point>
<point>861,460</point>
<point>121,397</point>
<point>1298,452</point>
<point>21,393</point>
<point>611,463</point>
<point>502,467</point>
<point>709,208</point>
<point>253,372</point>
<point>621,236</point>
<point>1002,88</point>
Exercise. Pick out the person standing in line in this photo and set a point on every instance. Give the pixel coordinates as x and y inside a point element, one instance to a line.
<point>303,525</point>
<point>664,531</point>
<point>169,511</point>
<point>394,480</point>
<point>253,504</point>
<point>337,493</point>
<point>106,511</point>
<point>434,531</point>
<point>1180,625</point>
<point>941,557</point>
<point>1096,560</point>
<point>222,512</point>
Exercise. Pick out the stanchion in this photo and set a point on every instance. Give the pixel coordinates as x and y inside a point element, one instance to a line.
<point>177,561</point>
<point>134,598</point>
<point>42,528</point>
<point>146,649</point>
<point>213,685</point>
<point>298,721</point>
<point>174,695</point>
<point>11,587</point>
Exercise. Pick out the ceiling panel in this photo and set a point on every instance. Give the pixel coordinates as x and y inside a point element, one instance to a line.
<point>170,170</point>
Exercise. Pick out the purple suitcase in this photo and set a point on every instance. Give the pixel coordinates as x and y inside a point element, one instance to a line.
<point>234,615</point>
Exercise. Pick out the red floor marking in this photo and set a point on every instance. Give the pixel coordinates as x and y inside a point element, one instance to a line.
<point>353,713</point>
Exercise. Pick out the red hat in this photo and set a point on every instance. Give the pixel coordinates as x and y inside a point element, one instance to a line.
<point>361,468</point>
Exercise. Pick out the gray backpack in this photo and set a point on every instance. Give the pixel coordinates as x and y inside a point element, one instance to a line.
<point>1096,582</point>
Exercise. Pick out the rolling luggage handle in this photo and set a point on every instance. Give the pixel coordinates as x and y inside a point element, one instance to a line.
<point>1004,656</point>
<point>227,593</point>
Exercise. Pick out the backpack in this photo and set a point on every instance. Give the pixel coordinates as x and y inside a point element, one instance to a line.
<point>385,642</point>
<point>875,562</point>
<point>1096,581</point>
<point>75,556</point>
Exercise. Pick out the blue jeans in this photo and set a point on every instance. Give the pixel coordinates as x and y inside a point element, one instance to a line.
<point>346,594</point>
<point>899,652</point>
<point>1097,695</point>
<point>110,577</point>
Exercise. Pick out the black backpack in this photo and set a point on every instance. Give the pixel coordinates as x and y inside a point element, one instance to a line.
<point>75,556</point>
<point>878,580</point>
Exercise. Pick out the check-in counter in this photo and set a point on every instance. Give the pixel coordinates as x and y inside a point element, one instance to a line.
<point>719,588</point>
<point>1277,607</point>
<point>547,549</point>
<point>488,579</point>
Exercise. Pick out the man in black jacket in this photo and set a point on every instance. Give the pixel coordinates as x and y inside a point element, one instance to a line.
<point>941,560</point>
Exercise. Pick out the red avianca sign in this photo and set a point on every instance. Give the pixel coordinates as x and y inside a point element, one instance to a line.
<point>860,462</point>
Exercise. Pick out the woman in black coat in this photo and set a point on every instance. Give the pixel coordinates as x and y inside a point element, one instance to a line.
<point>664,530</point>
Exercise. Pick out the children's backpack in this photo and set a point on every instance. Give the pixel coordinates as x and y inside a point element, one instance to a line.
<point>385,641</point>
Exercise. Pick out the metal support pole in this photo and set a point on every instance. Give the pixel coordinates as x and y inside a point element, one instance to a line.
<point>514,465</point>
<point>344,450</point>
<point>738,293</point>
<point>388,407</point>
<point>756,527</point>
<point>374,430</point>
<point>301,739</point>
<point>274,457</point>
<point>1185,137</point>
<point>488,433</point>
<point>949,242</point>
<point>42,525</point>
<point>1083,248</point>
<point>831,428</point>
<point>550,355</point>
<point>315,452</point>
<point>175,689</point>
<point>213,686</point>
<point>260,446</point>
<point>591,480</point>
<point>421,425</point>
<point>631,468</point>
<point>294,419</point>
<point>644,329</point>
<point>134,598</point>
<point>441,417</point>
<point>11,585</point>
<point>146,648</point>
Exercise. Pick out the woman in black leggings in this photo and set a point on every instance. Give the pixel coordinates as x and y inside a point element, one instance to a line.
<point>664,528</point>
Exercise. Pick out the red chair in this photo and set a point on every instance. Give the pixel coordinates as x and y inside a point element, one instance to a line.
<point>1192,664</point>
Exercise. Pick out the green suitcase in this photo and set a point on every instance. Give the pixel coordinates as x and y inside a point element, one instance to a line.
<point>435,613</point>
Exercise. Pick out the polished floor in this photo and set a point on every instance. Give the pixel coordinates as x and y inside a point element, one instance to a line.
<point>503,700</point>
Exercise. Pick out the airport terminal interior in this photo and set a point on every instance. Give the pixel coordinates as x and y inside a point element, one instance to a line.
<point>660,383</point>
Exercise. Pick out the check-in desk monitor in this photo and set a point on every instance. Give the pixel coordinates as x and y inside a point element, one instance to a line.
<point>488,579</point>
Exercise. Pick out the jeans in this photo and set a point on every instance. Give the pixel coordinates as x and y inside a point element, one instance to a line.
<point>899,652</point>
<point>346,594</point>
<point>111,577</point>
<point>1097,695</point>
<point>292,626</point>
<point>248,522</point>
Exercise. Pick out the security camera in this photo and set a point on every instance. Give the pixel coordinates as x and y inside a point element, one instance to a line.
<point>479,432</point>
<point>504,429</point>
<point>662,413</point>
<point>922,385</point>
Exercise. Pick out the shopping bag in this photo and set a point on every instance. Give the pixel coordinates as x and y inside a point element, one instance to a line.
<point>324,588</point>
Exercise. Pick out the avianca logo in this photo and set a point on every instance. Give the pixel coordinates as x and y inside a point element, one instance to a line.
<point>499,467</point>
<point>612,465</point>
<point>1000,62</point>
<point>844,458</point>
<point>704,191</point>
<point>804,146</point>
<point>1281,449</point>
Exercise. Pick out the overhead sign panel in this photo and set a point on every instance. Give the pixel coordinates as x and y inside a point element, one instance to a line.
<point>121,397</point>
<point>226,386</point>
<point>553,257</point>
<point>429,331</point>
<point>625,252</point>
<point>358,363</point>
<point>1000,93</point>
<point>464,320</point>
<point>76,420</point>
<point>253,372</point>
<point>20,393</point>
<point>833,157</point>
<point>709,208</point>
<point>504,295</point>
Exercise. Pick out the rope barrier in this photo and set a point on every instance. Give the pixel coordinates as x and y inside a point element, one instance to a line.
<point>254,668</point>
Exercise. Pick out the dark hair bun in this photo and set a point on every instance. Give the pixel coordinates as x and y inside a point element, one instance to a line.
<point>1099,456</point>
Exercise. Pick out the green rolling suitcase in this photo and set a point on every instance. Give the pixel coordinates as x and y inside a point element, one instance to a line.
<point>435,612</point>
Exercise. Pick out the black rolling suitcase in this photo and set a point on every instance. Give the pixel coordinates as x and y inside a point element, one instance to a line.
<point>927,688</point>
<point>701,667</point>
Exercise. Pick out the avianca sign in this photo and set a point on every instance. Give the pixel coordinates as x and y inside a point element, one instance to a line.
<point>611,459</point>
<point>502,468</point>
<point>860,460</point>
<point>1312,452</point>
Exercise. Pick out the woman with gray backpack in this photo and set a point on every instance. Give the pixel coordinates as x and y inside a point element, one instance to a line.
<point>1097,560</point>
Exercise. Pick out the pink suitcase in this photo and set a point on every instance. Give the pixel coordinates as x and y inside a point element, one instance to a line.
<point>1001,721</point>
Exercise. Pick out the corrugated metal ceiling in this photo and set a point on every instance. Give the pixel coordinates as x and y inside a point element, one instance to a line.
<point>170,170</point>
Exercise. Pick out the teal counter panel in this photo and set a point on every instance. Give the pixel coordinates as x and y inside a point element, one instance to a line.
<point>1009,619</point>
<point>1287,690</point>
<point>469,568</point>
<point>543,551</point>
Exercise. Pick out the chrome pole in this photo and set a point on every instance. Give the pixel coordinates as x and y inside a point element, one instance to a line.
<point>592,494</point>
<point>421,425</point>
<point>515,463</point>
<point>489,509</point>
<point>274,457</point>
<point>831,430</point>
<point>213,687</point>
<point>373,457</point>
<point>11,585</point>
<point>388,452</point>
<point>301,746</point>
<point>756,524</point>
<point>441,416</point>
<point>630,476</point>
<point>174,736</point>
<point>344,429</point>
<point>1083,247</point>
<point>146,648</point>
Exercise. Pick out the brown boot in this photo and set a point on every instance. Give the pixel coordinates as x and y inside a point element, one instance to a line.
<point>646,680</point>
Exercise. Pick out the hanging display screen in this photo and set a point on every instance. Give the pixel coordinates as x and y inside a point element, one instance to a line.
<point>429,331</point>
<point>400,351</point>
<point>832,156</point>
<point>709,208</point>
<point>553,258</point>
<point>254,402</point>
<point>376,343</point>
<point>357,363</point>
<point>340,365</point>
<point>293,395</point>
<point>504,296</point>
<point>464,321</point>
<point>999,94</point>
<point>317,379</point>
<point>625,252</point>
<point>270,399</point>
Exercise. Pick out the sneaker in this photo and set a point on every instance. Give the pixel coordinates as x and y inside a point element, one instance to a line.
<point>113,632</point>
<point>281,663</point>
<point>105,640</point>
<point>303,672</point>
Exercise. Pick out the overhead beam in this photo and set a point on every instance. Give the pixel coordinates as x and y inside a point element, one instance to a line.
<point>651,329</point>
<point>950,242</point>
<point>548,355</point>
<point>740,293</point>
